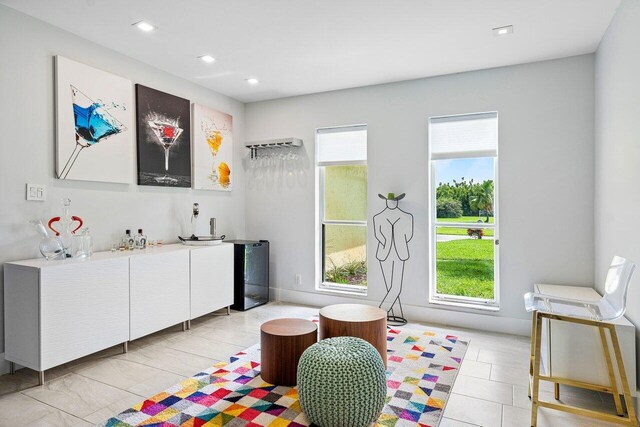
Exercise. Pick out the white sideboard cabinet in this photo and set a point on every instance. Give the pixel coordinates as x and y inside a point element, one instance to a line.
<point>58,311</point>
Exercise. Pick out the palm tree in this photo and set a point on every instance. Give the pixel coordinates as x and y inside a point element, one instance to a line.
<point>483,198</point>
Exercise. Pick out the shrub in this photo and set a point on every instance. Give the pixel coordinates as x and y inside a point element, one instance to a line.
<point>351,273</point>
<point>449,208</point>
<point>475,233</point>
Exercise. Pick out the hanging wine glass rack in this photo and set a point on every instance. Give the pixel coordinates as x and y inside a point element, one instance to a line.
<point>271,144</point>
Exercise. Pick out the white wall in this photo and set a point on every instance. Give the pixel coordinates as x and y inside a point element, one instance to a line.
<point>27,47</point>
<point>546,177</point>
<point>617,148</point>
<point>546,167</point>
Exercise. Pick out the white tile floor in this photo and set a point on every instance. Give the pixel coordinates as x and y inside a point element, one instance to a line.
<point>489,391</point>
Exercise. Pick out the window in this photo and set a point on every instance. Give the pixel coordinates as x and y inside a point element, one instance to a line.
<point>341,155</point>
<point>463,153</point>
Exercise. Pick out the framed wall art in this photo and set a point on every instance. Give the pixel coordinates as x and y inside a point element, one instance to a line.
<point>212,149</point>
<point>94,132</point>
<point>164,138</point>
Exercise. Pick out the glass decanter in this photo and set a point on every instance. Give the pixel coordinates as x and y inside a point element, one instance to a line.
<point>81,246</point>
<point>50,247</point>
<point>66,226</point>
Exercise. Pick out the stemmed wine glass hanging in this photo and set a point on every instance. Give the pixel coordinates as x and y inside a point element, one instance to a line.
<point>274,153</point>
<point>271,156</point>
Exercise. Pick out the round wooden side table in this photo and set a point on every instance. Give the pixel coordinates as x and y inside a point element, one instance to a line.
<point>356,320</point>
<point>282,342</point>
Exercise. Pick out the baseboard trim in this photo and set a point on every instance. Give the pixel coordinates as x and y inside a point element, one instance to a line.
<point>439,316</point>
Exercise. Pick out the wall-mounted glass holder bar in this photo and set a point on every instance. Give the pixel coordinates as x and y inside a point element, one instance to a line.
<point>272,144</point>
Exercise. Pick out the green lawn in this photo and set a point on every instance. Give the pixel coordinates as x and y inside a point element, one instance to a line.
<point>462,231</point>
<point>465,268</point>
<point>466,219</point>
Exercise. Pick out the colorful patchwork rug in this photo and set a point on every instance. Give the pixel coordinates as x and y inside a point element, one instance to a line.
<point>422,367</point>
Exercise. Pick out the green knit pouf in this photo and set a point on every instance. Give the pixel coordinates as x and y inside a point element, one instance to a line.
<point>341,383</point>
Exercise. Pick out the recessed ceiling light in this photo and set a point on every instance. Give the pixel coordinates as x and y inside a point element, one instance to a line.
<point>144,26</point>
<point>253,81</point>
<point>207,58</point>
<point>503,31</point>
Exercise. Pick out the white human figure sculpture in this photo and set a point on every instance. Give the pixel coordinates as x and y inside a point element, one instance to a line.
<point>393,228</point>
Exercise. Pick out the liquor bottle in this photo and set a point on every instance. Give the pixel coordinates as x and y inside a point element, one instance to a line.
<point>128,241</point>
<point>140,240</point>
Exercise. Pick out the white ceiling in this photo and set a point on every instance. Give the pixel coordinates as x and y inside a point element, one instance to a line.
<point>304,46</point>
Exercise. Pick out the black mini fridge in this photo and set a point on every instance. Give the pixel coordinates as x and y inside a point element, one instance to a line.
<point>251,273</point>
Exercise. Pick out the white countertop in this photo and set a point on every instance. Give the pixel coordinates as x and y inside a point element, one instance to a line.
<point>584,293</point>
<point>104,255</point>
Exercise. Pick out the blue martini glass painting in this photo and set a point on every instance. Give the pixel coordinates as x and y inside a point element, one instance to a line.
<point>93,124</point>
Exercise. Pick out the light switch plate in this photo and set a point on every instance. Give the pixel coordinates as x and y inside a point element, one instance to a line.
<point>36,192</point>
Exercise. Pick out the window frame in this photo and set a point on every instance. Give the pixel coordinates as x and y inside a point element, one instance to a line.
<point>321,222</point>
<point>457,300</point>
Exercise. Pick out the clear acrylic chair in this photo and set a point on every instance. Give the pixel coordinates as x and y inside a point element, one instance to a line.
<point>598,314</point>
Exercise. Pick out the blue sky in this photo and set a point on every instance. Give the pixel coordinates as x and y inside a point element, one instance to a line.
<point>479,169</point>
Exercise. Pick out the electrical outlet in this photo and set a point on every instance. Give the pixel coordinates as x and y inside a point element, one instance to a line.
<point>298,279</point>
<point>36,192</point>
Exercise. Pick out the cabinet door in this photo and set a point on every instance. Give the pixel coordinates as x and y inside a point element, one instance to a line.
<point>211,279</point>
<point>159,291</point>
<point>84,308</point>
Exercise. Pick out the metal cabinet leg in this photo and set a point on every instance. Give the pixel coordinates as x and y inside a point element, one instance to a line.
<point>125,347</point>
<point>12,368</point>
<point>41,378</point>
<point>612,376</point>
<point>531,353</point>
<point>184,326</point>
<point>536,369</point>
<point>228,310</point>
<point>623,375</point>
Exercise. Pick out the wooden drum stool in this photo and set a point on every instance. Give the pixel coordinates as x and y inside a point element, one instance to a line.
<point>282,342</point>
<point>356,320</point>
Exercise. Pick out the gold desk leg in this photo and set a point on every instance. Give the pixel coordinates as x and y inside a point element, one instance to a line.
<point>536,369</point>
<point>623,375</point>
<point>629,420</point>
<point>612,375</point>
<point>556,391</point>
<point>532,351</point>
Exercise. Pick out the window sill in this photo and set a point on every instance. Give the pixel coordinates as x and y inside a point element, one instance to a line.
<point>464,304</point>
<point>325,288</point>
